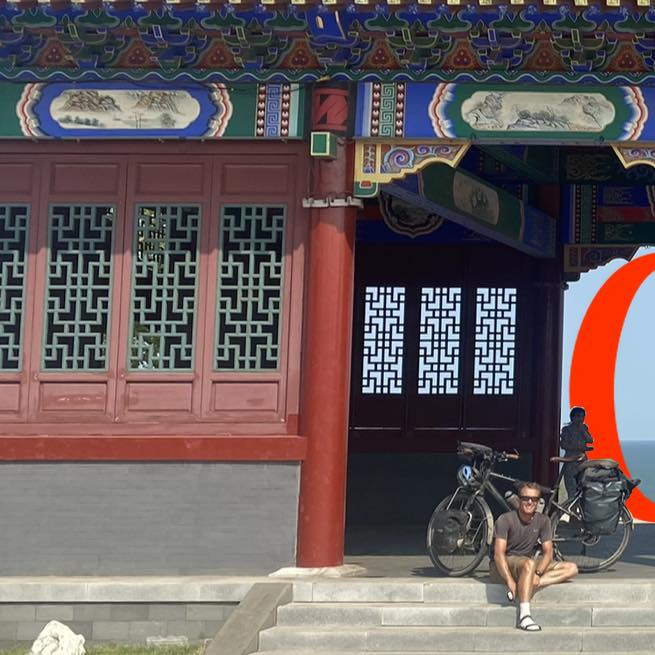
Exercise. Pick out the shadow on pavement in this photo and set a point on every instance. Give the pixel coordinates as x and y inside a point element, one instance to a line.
<point>399,551</point>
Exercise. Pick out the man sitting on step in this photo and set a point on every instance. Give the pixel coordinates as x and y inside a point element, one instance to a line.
<point>518,536</point>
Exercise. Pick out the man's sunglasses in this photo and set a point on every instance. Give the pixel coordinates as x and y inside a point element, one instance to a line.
<point>529,499</point>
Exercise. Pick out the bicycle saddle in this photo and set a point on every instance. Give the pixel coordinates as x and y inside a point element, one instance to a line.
<point>602,463</point>
<point>564,460</point>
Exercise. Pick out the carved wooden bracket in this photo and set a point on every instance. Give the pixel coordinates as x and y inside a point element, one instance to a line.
<point>585,257</point>
<point>633,154</point>
<point>381,162</point>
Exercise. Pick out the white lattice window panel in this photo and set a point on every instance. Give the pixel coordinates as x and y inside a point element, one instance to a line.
<point>495,341</point>
<point>384,330</point>
<point>439,341</point>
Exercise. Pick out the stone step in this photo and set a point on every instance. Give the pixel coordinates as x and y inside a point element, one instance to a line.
<point>432,652</point>
<point>427,614</point>
<point>448,639</point>
<point>596,591</point>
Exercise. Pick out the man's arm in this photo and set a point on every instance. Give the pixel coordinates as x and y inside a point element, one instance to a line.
<point>500,558</point>
<point>565,438</point>
<point>588,437</point>
<point>546,557</point>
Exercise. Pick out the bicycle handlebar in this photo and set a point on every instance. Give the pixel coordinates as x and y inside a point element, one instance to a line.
<point>471,450</point>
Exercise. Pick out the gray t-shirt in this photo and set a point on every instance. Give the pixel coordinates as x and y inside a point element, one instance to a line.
<point>573,438</point>
<point>522,538</point>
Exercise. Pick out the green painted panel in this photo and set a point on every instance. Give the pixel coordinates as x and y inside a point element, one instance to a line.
<point>10,95</point>
<point>464,193</point>
<point>244,112</point>
<point>301,110</point>
<point>501,112</point>
<point>630,233</point>
<point>269,111</point>
<point>601,165</point>
<point>587,202</point>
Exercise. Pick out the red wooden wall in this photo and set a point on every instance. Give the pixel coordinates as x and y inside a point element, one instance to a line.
<point>137,414</point>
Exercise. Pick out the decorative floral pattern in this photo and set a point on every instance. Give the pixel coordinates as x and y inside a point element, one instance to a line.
<point>264,42</point>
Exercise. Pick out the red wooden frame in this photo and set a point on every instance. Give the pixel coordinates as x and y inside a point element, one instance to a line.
<point>32,434</point>
<point>153,448</point>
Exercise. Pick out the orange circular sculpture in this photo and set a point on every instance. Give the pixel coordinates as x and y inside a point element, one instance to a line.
<point>593,366</point>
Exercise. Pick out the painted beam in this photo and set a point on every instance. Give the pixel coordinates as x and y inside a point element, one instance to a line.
<point>464,199</point>
<point>360,5</point>
<point>532,163</point>
<point>523,41</point>
<point>502,113</point>
<point>119,110</point>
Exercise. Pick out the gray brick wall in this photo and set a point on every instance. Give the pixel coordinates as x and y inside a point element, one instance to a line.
<point>114,622</point>
<point>147,518</point>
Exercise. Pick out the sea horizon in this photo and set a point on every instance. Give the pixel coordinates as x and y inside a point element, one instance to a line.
<point>639,455</point>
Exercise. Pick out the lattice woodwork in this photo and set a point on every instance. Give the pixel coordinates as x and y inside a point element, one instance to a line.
<point>78,287</point>
<point>164,287</point>
<point>14,221</point>
<point>439,341</point>
<point>384,331</point>
<point>495,341</point>
<point>250,288</point>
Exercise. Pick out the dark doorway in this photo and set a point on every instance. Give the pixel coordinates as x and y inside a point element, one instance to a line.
<point>442,351</point>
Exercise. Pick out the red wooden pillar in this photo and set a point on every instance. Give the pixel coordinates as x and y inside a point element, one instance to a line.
<point>326,355</point>
<point>547,386</point>
<point>547,383</point>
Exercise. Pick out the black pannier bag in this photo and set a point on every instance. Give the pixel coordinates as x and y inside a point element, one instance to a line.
<point>602,492</point>
<point>449,530</point>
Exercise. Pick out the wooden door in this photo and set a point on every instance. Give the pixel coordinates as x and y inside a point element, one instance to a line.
<point>441,347</point>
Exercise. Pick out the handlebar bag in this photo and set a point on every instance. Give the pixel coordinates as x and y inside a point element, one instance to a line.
<point>449,530</point>
<point>601,504</point>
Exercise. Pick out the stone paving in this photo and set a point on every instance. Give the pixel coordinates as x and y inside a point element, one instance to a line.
<point>399,552</point>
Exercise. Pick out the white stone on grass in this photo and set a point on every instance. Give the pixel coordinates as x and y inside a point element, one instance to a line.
<point>58,639</point>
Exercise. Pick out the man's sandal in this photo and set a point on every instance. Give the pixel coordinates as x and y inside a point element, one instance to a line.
<point>528,625</point>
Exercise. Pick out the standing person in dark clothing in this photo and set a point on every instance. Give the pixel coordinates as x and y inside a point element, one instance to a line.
<point>575,440</point>
<point>518,536</point>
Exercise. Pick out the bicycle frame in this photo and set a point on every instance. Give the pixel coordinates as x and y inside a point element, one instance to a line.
<point>478,485</point>
<point>486,485</point>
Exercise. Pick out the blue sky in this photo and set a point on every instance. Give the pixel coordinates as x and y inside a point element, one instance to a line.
<point>635,375</point>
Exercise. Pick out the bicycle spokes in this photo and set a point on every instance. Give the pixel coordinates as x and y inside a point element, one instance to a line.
<point>591,552</point>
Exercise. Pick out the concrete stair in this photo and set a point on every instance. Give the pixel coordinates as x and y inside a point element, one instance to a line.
<point>353,617</point>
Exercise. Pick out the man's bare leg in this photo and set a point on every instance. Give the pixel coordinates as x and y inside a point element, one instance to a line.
<point>526,580</point>
<point>525,589</point>
<point>559,572</point>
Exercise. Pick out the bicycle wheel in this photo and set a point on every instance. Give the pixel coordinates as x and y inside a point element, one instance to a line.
<point>591,553</point>
<point>475,544</point>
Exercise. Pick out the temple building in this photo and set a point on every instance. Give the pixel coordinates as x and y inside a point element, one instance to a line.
<point>264,263</point>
